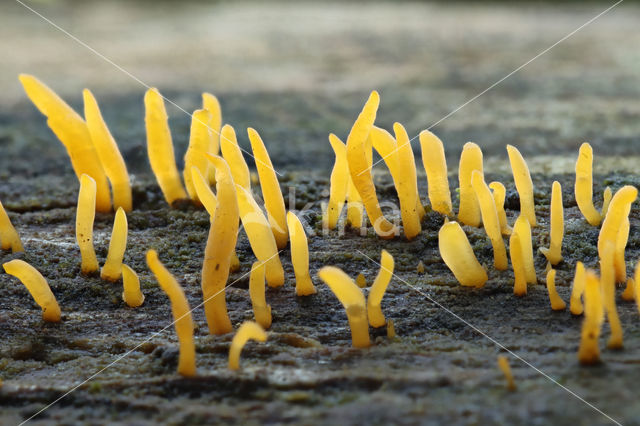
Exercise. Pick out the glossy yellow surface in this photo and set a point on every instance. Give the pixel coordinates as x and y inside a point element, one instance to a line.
<point>9,238</point>
<point>211,104</point>
<point>522,228</point>
<point>589,350</point>
<point>249,330</point>
<point>300,256</point>
<point>556,231</point>
<point>557,304</point>
<point>435,164</point>
<point>112,268</point>
<point>577,290</point>
<point>131,293</point>
<point>37,285</point>
<point>490,220</point>
<point>85,214</point>
<point>261,310</point>
<point>232,154</point>
<point>458,255</point>
<point>584,185</point>
<point>499,193</point>
<point>378,288</point>
<point>524,185</point>
<point>200,139</point>
<point>517,262</point>
<point>470,160</point>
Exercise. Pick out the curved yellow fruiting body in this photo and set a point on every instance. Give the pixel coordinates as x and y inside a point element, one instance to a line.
<point>522,228</point>
<point>261,310</point>
<point>221,243</point>
<point>589,351</point>
<point>407,183</point>
<point>575,303</point>
<point>351,297</point>
<point>584,185</point>
<point>517,261</point>
<point>629,292</point>
<point>554,252</point>
<point>72,131</point>
<point>360,168</point>
<point>338,184</point>
<point>503,364</point>
<point>470,160</point>
<point>271,192</point>
<point>435,164</point>
<point>557,304</point>
<point>85,214</point>
<point>131,294</point>
<point>300,256</point>
<point>232,154</point>
<point>524,184</point>
<point>112,268</point>
<point>499,194</point>
<point>248,330</point>
<point>618,212</point>
<point>621,243</point>
<point>204,192</point>
<point>37,286</point>
<point>160,147</point>
<point>199,144</point>
<point>211,104</point>
<point>9,238</point>
<point>374,312</point>
<point>458,255</point>
<point>490,220</point>
<point>108,153</point>
<point>608,285</point>
<point>606,200</point>
<point>181,314</point>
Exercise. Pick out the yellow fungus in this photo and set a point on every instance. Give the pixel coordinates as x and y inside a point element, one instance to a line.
<point>606,200</point>
<point>355,206</point>
<point>271,192</point>
<point>112,268</point>
<point>629,292</point>
<point>420,267</point>
<point>261,310</point>
<point>589,351</point>
<point>458,255</point>
<point>621,243</point>
<point>199,144</point>
<point>248,330</point>
<point>339,183</point>
<point>406,183</point>
<point>204,192</point>
<point>584,185</point>
<point>85,214</point>
<point>232,154</point>
<point>490,220</point>
<point>300,256</point>
<point>608,284</point>
<point>557,304</point>
<point>499,195</point>
<point>361,281</point>
<point>522,228</point>
<point>131,293</point>
<point>181,314</point>
<point>435,164</point>
<point>221,243</point>
<point>503,364</point>
<point>517,261</point>
<point>378,288</point>
<point>636,280</point>
<point>554,252</point>
<point>260,236</point>
<point>37,286</point>
<point>211,104</point>
<point>351,297</point>
<point>575,305</point>
<point>9,238</point>
<point>524,185</point>
<point>360,168</point>
<point>391,330</point>
<point>618,212</point>
<point>108,153</point>
<point>470,160</point>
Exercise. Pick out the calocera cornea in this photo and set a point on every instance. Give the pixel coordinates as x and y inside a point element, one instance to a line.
<point>131,294</point>
<point>577,290</point>
<point>377,290</point>
<point>457,254</point>
<point>524,184</point>
<point>300,256</point>
<point>85,214</point>
<point>181,314</point>
<point>629,293</point>
<point>407,183</point>
<point>261,310</point>
<point>556,231</point>
<point>490,220</point>
<point>608,285</point>
<point>199,143</point>
<point>503,364</point>
<point>557,304</point>
<point>112,269</point>
<point>232,154</point>
<point>210,103</point>
<point>499,194</point>
<point>37,285</point>
<point>338,183</point>
<point>618,213</point>
<point>523,229</point>
<point>618,257</point>
<point>584,185</point>
<point>361,280</point>
<point>352,298</point>
<point>249,330</point>
<point>470,161</point>
<point>589,350</point>
<point>606,200</point>
<point>518,262</point>
<point>435,165</point>
<point>9,238</point>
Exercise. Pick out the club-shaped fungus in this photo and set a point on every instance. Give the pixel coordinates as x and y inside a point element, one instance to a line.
<point>606,200</point>
<point>470,160</point>
<point>360,167</point>
<point>524,184</point>
<point>204,192</point>
<point>355,206</point>
<point>608,285</point>
<point>181,314</point>
<point>557,304</point>
<point>406,183</point>
<point>232,154</point>
<point>160,147</point>
<point>523,229</point>
<point>589,351</point>
<point>556,231</point>
<point>503,365</point>
<point>261,310</point>
<point>577,290</point>
<point>352,298</point>
<point>517,262</point>
<point>131,294</point>
<point>72,131</point>
<point>457,253</point>
<point>112,268</point>
<point>374,311</point>
<point>361,280</point>
<point>300,256</point>
<point>248,330</point>
<point>435,164</point>
<point>211,104</point>
<point>199,144</point>
<point>37,286</point>
<point>9,238</point>
<point>618,257</point>
<point>499,193</point>
<point>629,293</point>
<point>339,183</point>
<point>271,192</point>
<point>584,185</point>
<point>108,153</point>
<point>221,243</point>
<point>85,214</point>
<point>618,212</point>
<point>490,220</point>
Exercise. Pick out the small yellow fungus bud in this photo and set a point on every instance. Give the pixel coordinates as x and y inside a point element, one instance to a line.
<point>458,255</point>
<point>517,261</point>
<point>248,330</point>
<point>577,290</point>
<point>503,364</point>
<point>499,195</point>
<point>271,192</point>
<point>112,268</point>
<point>232,154</point>
<point>557,304</point>
<point>9,238</point>
<point>338,184</point>
<point>435,164</point>
<point>606,200</point>
<point>420,267</point>
<point>490,220</point>
<point>181,314</point>
<point>360,168</point>
<point>261,310</point>
<point>108,153</point>
<point>131,293</point>
<point>199,144</point>
<point>522,228</point>
<point>617,214</point>
<point>85,214</point>
<point>300,256</point>
<point>589,351</point>
<point>584,185</point>
<point>524,185</point>
<point>391,330</point>
<point>406,183</point>
<point>629,292</point>
<point>554,252</point>
<point>621,243</point>
<point>374,312</point>
<point>260,236</point>
<point>351,297</point>
<point>608,284</point>
<point>37,286</point>
<point>211,104</point>
<point>361,281</point>
<point>470,160</point>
